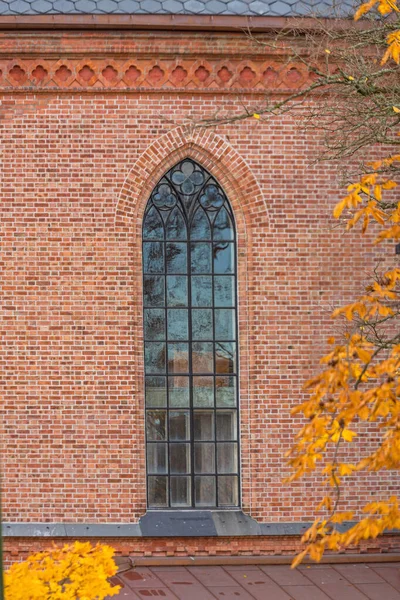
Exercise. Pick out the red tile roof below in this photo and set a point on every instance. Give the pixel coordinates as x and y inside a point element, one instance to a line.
<point>374,581</point>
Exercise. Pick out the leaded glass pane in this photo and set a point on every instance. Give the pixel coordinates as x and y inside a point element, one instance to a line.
<point>224,258</point>
<point>228,490</point>
<point>226,425</point>
<point>204,458</point>
<point>227,457</point>
<point>204,490</point>
<point>157,492</point>
<point>178,392</point>
<point>224,291</point>
<point>202,291</point>
<point>157,458</point>
<point>200,257</point>
<point>154,357</point>
<point>178,358</point>
<point>203,424</point>
<point>179,458</point>
<point>202,324</point>
<point>180,491</point>
<point>153,290</point>
<point>153,257</point>
<point>154,324</point>
<point>177,290</point>
<point>225,324</point>
<point>222,227</point>
<point>202,357</point>
<point>176,257</point>
<point>200,228</point>
<point>176,227</point>
<point>156,425</point>
<point>225,357</point>
<point>189,296</point>
<point>179,425</point>
<point>153,228</point>
<point>156,392</point>
<point>177,324</point>
<point>203,391</point>
<point>225,391</point>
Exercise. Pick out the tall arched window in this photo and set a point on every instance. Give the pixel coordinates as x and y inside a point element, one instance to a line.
<point>190,333</point>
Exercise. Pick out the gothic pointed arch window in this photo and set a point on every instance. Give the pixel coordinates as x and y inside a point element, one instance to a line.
<point>190,333</point>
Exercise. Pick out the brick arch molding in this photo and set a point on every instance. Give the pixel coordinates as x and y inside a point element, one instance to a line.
<point>249,207</point>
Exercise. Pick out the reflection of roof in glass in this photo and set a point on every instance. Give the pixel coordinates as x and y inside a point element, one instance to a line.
<point>178,7</point>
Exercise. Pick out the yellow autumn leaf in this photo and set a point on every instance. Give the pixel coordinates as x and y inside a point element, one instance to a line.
<point>348,435</point>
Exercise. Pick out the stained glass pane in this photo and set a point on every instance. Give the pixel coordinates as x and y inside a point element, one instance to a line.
<point>201,291</point>
<point>177,290</point>
<point>176,227</point>
<point>222,228</point>
<point>153,228</point>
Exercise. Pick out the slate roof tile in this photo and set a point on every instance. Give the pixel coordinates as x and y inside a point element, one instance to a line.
<point>203,7</point>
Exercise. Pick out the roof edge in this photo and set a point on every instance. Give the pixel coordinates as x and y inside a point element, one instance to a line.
<point>162,21</point>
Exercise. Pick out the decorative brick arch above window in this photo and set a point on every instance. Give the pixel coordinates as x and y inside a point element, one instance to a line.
<point>213,152</point>
<point>224,163</point>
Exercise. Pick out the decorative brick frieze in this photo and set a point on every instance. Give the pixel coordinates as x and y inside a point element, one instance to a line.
<point>137,73</point>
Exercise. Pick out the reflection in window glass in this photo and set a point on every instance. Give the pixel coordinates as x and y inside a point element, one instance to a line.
<point>177,290</point>
<point>156,392</point>
<point>190,350</point>
<point>178,392</point>
<point>202,291</point>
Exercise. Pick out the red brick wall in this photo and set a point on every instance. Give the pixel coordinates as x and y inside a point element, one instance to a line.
<point>79,159</point>
<point>20,548</point>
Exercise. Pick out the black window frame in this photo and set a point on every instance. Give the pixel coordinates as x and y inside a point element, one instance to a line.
<point>189,203</point>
